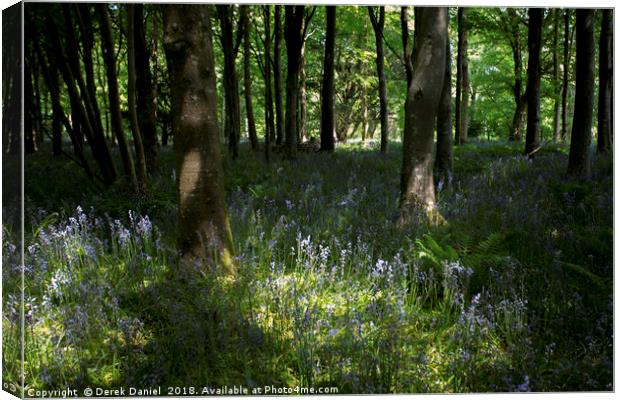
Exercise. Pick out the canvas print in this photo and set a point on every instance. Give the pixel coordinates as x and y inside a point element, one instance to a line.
<point>276,199</point>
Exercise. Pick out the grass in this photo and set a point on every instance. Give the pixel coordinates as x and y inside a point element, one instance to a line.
<point>514,293</point>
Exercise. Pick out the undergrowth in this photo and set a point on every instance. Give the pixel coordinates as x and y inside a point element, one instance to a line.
<point>514,293</point>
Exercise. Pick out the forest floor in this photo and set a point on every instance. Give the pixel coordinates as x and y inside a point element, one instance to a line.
<point>512,293</point>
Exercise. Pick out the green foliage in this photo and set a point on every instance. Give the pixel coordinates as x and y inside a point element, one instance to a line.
<point>514,293</point>
<point>329,292</point>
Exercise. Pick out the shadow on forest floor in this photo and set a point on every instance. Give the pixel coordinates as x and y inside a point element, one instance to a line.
<point>330,292</point>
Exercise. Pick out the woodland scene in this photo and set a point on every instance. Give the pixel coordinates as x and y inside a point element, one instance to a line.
<point>343,199</point>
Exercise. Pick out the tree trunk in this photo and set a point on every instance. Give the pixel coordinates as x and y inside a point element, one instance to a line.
<point>605,68</point>
<point>407,53</point>
<point>557,87</point>
<point>30,145</point>
<point>459,78</point>
<point>106,108</point>
<point>230,47</point>
<point>57,113</point>
<point>303,109</point>
<point>464,121</point>
<point>533,81</point>
<point>155,77</point>
<point>364,113</point>
<point>293,27</point>
<point>205,237</point>
<point>327,89</point>
<point>443,156</point>
<point>36,88</point>
<point>131,99</point>
<point>12,65</point>
<point>107,49</point>
<point>85,24</point>
<point>516,128</point>
<point>423,97</point>
<point>145,105</point>
<point>81,117</point>
<point>269,122</point>
<point>277,76</point>
<point>579,155</point>
<point>247,81</point>
<point>565,83</point>
<point>378,25</point>
<point>50,75</point>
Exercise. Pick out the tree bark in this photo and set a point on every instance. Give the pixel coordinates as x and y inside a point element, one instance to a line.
<point>459,78</point>
<point>205,238</point>
<point>30,145</point>
<point>443,156</point>
<point>533,81</point>
<point>378,25</point>
<point>516,128</point>
<point>269,122</point>
<point>131,100</point>
<point>423,96</point>
<point>50,75</point>
<point>293,27</point>
<point>37,110</point>
<point>565,82</point>
<point>277,76</point>
<point>57,112</point>
<point>107,49</point>
<point>605,68</point>
<point>145,105</point>
<point>303,109</point>
<point>557,87</point>
<point>247,81</point>
<point>327,89</point>
<point>85,24</point>
<point>93,127</point>
<point>82,122</point>
<point>230,47</point>
<point>579,154</point>
<point>465,94</point>
<point>407,53</point>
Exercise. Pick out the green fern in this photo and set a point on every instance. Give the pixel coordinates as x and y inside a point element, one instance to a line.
<point>429,249</point>
<point>490,250</point>
<point>583,273</point>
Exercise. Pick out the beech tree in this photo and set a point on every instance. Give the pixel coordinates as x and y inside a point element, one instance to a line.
<point>378,25</point>
<point>462,81</point>
<point>204,230</point>
<point>423,97</point>
<point>269,117</point>
<point>579,154</point>
<point>510,22</point>
<point>295,26</point>
<point>107,49</point>
<point>568,44</point>
<point>277,75</point>
<point>533,81</point>
<point>85,121</point>
<point>327,90</point>
<point>247,79</point>
<point>145,102</point>
<point>605,91</point>
<point>557,86</point>
<point>230,48</point>
<point>407,51</point>
<point>443,154</point>
<point>131,100</point>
